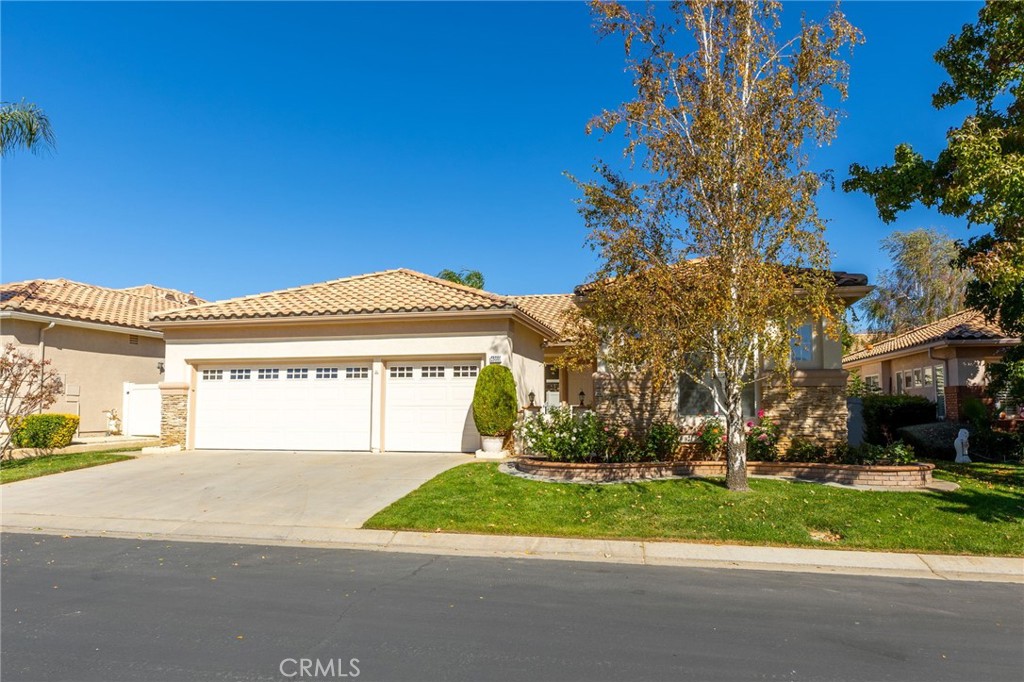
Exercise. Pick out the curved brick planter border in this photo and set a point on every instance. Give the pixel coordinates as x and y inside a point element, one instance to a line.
<point>908,476</point>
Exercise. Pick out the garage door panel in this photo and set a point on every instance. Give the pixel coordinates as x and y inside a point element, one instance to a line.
<point>283,414</point>
<point>429,413</point>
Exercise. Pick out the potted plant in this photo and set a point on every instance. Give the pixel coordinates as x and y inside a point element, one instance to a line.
<point>494,407</point>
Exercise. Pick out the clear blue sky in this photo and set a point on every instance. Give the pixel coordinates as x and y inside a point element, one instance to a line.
<point>235,148</point>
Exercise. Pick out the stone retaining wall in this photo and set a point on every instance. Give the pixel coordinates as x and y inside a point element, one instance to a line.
<point>908,476</point>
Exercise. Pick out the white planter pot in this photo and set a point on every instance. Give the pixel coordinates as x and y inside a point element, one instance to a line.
<point>492,443</point>
<point>491,448</point>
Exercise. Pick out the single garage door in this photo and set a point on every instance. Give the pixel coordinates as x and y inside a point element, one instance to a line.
<point>297,407</point>
<point>428,406</point>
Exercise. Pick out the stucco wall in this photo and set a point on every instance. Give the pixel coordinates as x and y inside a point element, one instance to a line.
<point>93,365</point>
<point>528,362</point>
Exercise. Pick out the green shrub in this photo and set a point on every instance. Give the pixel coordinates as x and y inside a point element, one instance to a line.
<point>494,401</point>
<point>934,441</point>
<point>996,446</point>
<point>711,438</point>
<point>893,454</point>
<point>977,413</point>
<point>44,431</point>
<point>662,441</point>
<point>801,450</point>
<point>883,414</point>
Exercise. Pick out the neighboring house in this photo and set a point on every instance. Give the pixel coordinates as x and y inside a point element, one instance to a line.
<point>388,361</point>
<point>95,337</point>
<point>943,361</point>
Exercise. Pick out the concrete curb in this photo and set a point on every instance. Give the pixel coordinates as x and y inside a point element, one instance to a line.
<point>76,448</point>
<point>681,554</point>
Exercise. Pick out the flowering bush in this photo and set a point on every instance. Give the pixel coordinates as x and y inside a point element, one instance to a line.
<point>562,436</point>
<point>711,437</point>
<point>762,439</point>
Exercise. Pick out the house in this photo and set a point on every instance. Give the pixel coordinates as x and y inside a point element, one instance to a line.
<point>944,361</point>
<point>387,361</point>
<point>97,338</point>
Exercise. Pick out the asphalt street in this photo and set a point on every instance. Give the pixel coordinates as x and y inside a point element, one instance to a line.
<point>114,609</point>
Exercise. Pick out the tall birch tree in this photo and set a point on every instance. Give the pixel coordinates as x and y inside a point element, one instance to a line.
<point>712,250</point>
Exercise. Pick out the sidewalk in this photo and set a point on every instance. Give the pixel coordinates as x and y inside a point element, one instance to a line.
<point>837,562</point>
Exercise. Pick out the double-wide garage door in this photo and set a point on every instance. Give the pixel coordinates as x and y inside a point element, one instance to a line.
<point>425,406</point>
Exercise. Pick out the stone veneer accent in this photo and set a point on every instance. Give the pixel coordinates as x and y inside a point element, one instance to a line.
<point>906,476</point>
<point>813,409</point>
<point>630,401</point>
<point>173,414</point>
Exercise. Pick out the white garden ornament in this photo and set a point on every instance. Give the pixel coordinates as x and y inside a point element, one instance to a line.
<point>961,445</point>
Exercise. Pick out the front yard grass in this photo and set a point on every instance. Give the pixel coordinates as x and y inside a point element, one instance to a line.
<point>985,516</point>
<point>44,465</point>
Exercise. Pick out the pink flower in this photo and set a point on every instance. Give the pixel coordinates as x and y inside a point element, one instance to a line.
<point>763,437</point>
<point>760,414</point>
<point>724,438</point>
<point>750,424</point>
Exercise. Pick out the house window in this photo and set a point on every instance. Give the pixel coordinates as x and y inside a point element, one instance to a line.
<point>696,399</point>
<point>873,381</point>
<point>802,349</point>
<point>917,378</point>
<point>552,386</point>
<point>133,339</point>
<point>908,379</point>
<point>213,374</point>
<point>297,373</point>
<point>432,372</point>
<point>899,383</point>
<point>266,373</point>
<point>940,391</point>
<point>326,372</point>
<point>465,371</point>
<point>400,372</point>
<point>357,372</point>
<point>240,374</point>
<point>927,376</point>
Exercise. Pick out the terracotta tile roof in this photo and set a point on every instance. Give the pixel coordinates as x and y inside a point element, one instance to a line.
<point>550,309</point>
<point>62,298</point>
<point>391,291</point>
<point>965,325</point>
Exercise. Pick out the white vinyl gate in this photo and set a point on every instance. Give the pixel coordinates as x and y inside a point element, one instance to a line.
<point>140,410</point>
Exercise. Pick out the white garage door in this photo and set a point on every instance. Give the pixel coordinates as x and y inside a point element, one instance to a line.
<point>428,406</point>
<point>301,407</point>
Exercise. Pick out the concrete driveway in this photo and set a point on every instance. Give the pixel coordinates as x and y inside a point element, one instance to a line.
<point>222,494</point>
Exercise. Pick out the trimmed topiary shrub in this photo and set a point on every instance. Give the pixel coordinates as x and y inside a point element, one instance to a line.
<point>44,431</point>
<point>494,401</point>
<point>883,414</point>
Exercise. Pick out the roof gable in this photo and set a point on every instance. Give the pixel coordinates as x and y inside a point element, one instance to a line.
<point>390,291</point>
<point>66,299</point>
<point>966,325</point>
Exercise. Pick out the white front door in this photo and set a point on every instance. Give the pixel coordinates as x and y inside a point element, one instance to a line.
<point>428,406</point>
<point>255,406</point>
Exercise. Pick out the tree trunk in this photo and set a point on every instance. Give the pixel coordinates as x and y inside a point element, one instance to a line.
<point>736,459</point>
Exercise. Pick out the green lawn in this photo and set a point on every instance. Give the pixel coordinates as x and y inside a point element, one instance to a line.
<point>986,516</point>
<point>44,465</point>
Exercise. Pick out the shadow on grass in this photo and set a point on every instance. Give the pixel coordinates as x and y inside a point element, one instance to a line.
<point>1000,474</point>
<point>989,506</point>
